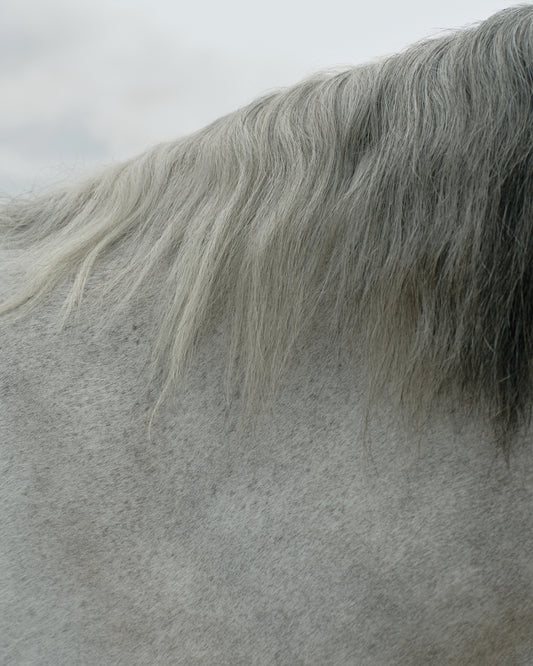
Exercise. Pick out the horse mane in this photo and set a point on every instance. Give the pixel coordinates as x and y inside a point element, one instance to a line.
<point>393,198</point>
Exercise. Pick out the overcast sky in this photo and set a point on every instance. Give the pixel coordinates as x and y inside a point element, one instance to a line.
<point>88,82</point>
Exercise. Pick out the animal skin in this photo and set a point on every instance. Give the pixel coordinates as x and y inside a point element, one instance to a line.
<point>216,447</point>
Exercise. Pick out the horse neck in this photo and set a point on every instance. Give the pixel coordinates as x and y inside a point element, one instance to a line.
<point>306,532</point>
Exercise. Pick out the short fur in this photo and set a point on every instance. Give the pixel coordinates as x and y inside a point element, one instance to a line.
<point>394,198</point>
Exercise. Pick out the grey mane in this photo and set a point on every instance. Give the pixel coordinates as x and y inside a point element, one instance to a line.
<point>393,199</point>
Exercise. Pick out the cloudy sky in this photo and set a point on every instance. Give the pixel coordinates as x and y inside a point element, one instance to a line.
<point>86,82</point>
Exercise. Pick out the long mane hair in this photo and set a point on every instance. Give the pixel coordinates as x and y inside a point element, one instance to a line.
<point>393,198</point>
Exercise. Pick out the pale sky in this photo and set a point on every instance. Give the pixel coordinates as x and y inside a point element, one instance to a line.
<point>89,82</point>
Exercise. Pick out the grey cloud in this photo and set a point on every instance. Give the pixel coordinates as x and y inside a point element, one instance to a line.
<point>67,137</point>
<point>30,31</point>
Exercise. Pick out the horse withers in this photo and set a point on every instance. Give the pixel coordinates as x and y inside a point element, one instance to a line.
<point>265,390</point>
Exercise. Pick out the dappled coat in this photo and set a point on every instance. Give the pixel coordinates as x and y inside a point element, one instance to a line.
<point>265,390</point>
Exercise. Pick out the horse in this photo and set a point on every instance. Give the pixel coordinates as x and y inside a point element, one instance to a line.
<point>266,389</point>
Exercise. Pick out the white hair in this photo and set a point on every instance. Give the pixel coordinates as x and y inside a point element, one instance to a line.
<point>394,198</point>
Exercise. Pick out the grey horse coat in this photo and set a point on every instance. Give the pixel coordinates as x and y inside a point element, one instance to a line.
<point>329,528</point>
<point>291,546</point>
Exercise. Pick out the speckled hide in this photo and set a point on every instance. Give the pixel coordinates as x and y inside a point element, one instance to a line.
<point>265,390</point>
<point>299,543</point>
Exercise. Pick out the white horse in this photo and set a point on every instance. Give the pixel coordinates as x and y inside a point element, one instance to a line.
<point>265,390</point>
